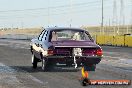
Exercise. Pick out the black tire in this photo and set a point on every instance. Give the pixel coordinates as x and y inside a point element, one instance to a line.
<point>44,65</point>
<point>90,67</point>
<point>34,61</point>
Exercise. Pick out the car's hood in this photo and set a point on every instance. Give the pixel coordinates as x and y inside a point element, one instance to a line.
<point>73,43</point>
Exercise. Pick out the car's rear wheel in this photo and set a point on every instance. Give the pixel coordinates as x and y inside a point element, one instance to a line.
<point>45,64</point>
<point>90,67</point>
<point>34,61</point>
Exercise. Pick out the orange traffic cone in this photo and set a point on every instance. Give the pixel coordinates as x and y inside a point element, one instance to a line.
<point>84,79</point>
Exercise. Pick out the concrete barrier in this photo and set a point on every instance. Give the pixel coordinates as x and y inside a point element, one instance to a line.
<point>118,40</point>
<point>128,41</point>
<point>100,39</point>
<point>109,40</point>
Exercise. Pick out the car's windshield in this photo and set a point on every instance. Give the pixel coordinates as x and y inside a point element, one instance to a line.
<point>69,35</point>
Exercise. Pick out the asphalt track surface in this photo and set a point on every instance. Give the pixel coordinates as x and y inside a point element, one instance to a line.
<point>16,69</point>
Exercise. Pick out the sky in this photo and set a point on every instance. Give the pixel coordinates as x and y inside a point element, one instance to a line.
<point>61,13</point>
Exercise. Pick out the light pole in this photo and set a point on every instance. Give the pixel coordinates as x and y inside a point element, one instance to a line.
<point>48,13</point>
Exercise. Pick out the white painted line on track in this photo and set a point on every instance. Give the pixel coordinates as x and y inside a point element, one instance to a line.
<point>7,75</point>
<point>37,80</point>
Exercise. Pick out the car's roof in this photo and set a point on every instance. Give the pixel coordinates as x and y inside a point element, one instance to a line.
<point>63,28</point>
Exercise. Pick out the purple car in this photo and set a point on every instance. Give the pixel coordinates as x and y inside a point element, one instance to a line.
<point>67,46</point>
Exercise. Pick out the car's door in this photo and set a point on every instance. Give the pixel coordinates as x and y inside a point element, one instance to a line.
<point>43,43</point>
<point>38,44</point>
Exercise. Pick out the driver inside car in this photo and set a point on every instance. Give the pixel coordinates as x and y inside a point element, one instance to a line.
<point>54,36</point>
<point>76,36</point>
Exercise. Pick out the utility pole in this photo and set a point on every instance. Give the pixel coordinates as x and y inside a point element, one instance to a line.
<point>48,13</point>
<point>12,26</point>
<point>102,23</point>
<point>102,18</point>
<point>109,23</point>
<point>22,24</point>
<point>122,16</point>
<point>114,21</point>
<point>70,13</point>
<point>131,17</point>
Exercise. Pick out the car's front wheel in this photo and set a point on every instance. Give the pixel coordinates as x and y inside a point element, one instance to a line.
<point>34,61</point>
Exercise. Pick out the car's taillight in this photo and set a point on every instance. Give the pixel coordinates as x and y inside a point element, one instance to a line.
<point>99,52</point>
<point>50,52</point>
